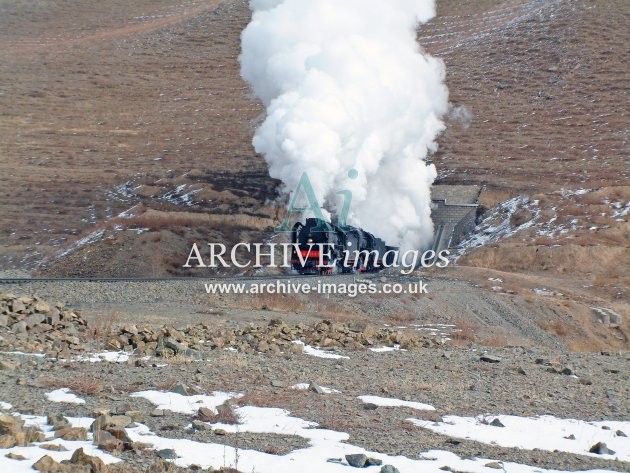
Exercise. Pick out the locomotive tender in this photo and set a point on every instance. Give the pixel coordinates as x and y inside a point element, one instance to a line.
<point>326,247</point>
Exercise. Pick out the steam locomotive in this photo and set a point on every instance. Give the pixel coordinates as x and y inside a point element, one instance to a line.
<point>347,250</point>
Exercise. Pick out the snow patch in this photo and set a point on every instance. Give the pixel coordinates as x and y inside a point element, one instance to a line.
<point>305,386</point>
<point>21,353</point>
<point>497,224</point>
<point>186,404</point>
<point>391,402</point>
<point>91,238</point>
<point>386,349</point>
<point>323,445</point>
<point>544,432</point>
<point>319,353</point>
<point>64,395</point>
<point>34,452</point>
<point>109,356</point>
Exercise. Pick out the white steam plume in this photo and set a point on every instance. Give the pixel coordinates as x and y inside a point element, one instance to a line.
<point>347,86</point>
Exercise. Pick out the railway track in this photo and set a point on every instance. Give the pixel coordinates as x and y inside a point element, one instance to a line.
<point>8,281</point>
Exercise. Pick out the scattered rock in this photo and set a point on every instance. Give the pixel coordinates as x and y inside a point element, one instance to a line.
<point>95,464</point>
<point>7,365</point>
<point>120,421</point>
<point>358,460</point>
<point>136,416</point>
<point>72,433</point>
<point>199,425</point>
<point>57,421</point>
<point>19,327</point>
<point>7,441</point>
<point>490,358</point>
<point>46,464</point>
<point>13,433</point>
<point>53,447</point>
<point>389,469</point>
<point>205,414</point>
<point>65,329</point>
<point>497,423</point>
<point>15,456</point>
<point>620,433</point>
<point>494,465</point>
<point>168,454</point>
<point>226,413</point>
<point>601,449</point>
<point>106,441</point>
<point>179,388</point>
<point>314,387</point>
<point>586,380</point>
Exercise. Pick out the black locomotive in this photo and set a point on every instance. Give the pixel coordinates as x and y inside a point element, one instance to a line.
<point>346,250</point>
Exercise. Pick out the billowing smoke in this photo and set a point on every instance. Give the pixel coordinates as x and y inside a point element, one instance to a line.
<point>347,86</point>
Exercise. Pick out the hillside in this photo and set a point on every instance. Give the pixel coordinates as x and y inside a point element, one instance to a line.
<point>126,136</point>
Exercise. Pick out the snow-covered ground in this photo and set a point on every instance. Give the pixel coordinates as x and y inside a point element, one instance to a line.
<point>64,395</point>
<point>390,402</point>
<point>544,433</point>
<point>109,356</point>
<point>386,349</point>
<point>497,223</point>
<point>319,353</point>
<point>305,386</point>
<point>186,404</point>
<point>34,452</point>
<point>327,448</point>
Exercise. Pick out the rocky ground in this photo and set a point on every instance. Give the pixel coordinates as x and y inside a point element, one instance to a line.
<point>47,348</point>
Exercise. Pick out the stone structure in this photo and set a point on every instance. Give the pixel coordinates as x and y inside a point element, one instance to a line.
<point>454,213</point>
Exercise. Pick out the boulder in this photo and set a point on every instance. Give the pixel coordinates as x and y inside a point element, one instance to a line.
<point>95,464</point>
<point>7,441</point>
<point>57,421</point>
<point>41,306</point>
<point>389,469</point>
<point>46,464</point>
<point>72,433</point>
<point>490,358</point>
<point>168,454</point>
<point>106,441</point>
<point>601,448</point>
<point>358,460</point>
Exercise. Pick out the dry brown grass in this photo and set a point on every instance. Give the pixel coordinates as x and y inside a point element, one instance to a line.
<point>167,384</point>
<point>465,330</point>
<point>100,326</point>
<point>558,328</point>
<point>162,220</point>
<point>178,359</point>
<point>496,341</point>
<point>83,385</point>
<point>338,424</point>
<point>278,302</point>
<point>400,318</point>
<point>338,312</point>
<point>280,399</point>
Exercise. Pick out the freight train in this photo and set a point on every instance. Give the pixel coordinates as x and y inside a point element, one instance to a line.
<point>326,248</point>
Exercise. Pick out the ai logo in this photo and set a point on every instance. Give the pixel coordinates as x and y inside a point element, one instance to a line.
<point>305,187</point>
